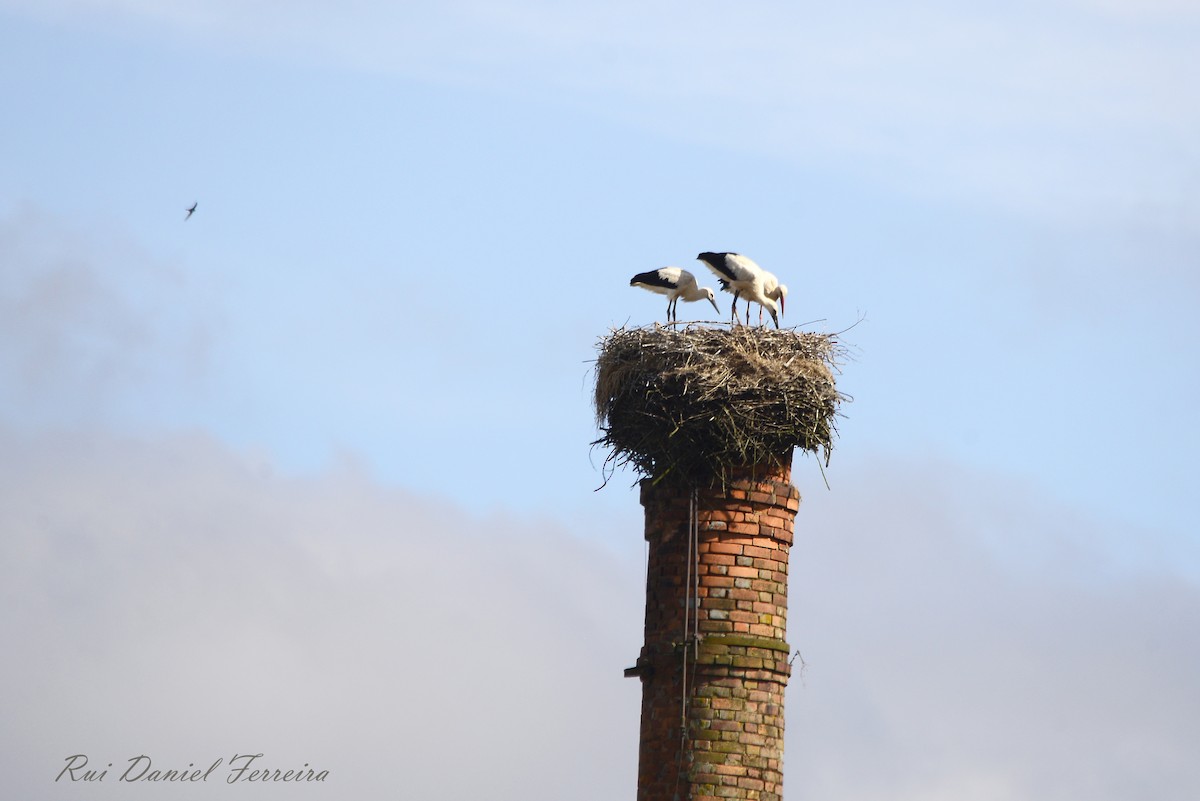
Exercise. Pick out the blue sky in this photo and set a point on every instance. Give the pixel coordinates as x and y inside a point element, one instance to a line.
<point>415,222</point>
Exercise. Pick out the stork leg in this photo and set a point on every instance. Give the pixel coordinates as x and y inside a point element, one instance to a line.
<point>733,307</point>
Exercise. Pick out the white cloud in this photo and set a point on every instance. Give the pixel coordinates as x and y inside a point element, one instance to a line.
<point>1069,110</point>
<point>181,600</point>
<point>178,600</point>
<point>972,641</point>
<point>86,319</point>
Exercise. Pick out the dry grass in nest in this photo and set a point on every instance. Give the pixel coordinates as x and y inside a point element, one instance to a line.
<point>694,403</point>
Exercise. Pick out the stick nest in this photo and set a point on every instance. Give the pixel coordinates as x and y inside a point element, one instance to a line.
<point>698,402</point>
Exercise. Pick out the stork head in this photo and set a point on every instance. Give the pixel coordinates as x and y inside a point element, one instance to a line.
<point>770,306</point>
<point>708,293</point>
<point>780,295</point>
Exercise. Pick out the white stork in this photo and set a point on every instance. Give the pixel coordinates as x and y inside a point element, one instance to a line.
<point>744,279</point>
<point>675,283</point>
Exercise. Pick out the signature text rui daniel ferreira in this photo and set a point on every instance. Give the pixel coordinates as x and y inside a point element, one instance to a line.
<point>240,768</point>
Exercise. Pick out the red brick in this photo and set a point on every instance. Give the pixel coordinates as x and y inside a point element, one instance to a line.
<point>761,630</point>
<point>758,519</point>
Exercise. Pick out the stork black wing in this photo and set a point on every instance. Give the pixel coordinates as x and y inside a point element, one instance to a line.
<point>719,263</point>
<point>652,278</point>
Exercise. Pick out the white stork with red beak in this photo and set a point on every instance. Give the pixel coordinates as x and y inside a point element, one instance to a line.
<point>747,280</point>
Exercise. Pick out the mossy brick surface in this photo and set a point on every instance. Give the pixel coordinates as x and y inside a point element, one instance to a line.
<point>737,672</point>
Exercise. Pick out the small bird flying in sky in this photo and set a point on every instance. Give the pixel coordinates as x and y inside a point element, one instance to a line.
<point>190,212</point>
<point>744,279</point>
<point>675,283</point>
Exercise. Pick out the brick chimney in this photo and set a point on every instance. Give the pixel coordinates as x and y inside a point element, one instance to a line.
<point>712,697</point>
<point>711,418</point>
